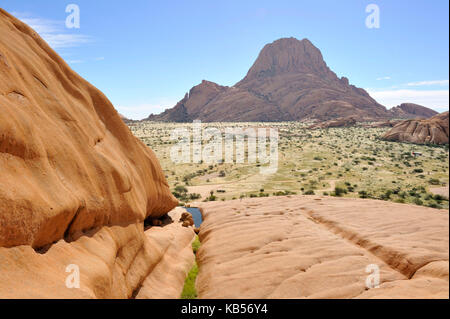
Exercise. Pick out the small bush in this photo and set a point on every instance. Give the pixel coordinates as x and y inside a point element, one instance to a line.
<point>434,205</point>
<point>339,191</point>
<point>439,198</point>
<point>434,181</point>
<point>363,194</point>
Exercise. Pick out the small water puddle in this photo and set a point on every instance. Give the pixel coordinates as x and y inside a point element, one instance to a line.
<point>196,215</point>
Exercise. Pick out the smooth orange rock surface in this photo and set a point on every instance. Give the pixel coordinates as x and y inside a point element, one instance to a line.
<point>114,262</point>
<point>68,163</point>
<point>322,247</point>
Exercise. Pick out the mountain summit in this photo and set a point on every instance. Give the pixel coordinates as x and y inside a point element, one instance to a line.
<point>289,81</point>
<point>288,55</point>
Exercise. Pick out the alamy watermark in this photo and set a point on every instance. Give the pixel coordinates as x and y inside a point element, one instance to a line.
<point>211,145</point>
<point>373,280</point>
<point>373,19</point>
<point>73,280</point>
<point>73,19</point>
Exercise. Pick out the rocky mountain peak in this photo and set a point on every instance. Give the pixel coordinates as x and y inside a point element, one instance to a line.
<point>288,55</point>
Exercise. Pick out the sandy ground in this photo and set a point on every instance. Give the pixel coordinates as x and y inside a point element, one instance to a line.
<point>322,247</point>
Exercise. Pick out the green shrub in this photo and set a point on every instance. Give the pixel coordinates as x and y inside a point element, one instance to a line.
<point>339,191</point>
<point>363,194</point>
<point>434,205</point>
<point>439,198</point>
<point>434,181</point>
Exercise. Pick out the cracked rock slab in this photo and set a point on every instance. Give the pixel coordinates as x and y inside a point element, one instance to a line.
<point>322,247</point>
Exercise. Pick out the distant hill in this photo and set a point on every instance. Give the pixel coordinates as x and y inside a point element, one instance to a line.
<point>289,81</point>
<point>125,119</point>
<point>411,111</point>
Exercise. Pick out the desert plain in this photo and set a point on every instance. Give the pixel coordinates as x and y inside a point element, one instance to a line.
<point>343,200</point>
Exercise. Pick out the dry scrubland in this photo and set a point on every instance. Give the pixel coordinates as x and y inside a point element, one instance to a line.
<point>346,162</point>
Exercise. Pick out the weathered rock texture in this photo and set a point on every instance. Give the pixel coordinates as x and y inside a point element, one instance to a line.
<point>412,111</point>
<point>76,186</point>
<point>289,81</point>
<point>321,247</point>
<point>431,131</point>
<point>114,262</point>
<point>67,161</point>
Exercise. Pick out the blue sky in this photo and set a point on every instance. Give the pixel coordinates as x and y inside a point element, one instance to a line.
<point>145,55</point>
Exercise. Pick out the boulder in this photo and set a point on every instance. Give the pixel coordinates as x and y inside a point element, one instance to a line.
<point>431,131</point>
<point>68,163</point>
<point>412,111</point>
<point>340,122</point>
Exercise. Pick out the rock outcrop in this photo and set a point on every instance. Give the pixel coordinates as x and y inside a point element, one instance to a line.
<point>289,81</point>
<point>117,262</point>
<point>75,184</point>
<point>431,131</point>
<point>322,247</point>
<point>67,161</point>
<point>412,111</point>
<point>192,105</point>
<point>390,123</point>
<point>341,122</point>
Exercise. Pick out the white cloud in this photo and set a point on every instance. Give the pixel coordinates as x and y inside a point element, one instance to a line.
<point>384,78</point>
<point>41,26</point>
<point>53,31</point>
<point>75,61</point>
<point>429,83</point>
<point>65,40</point>
<point>434,99</point>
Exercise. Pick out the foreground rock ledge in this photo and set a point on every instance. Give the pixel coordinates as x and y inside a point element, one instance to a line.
<point>320,247</point>
<point>115,262</point>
